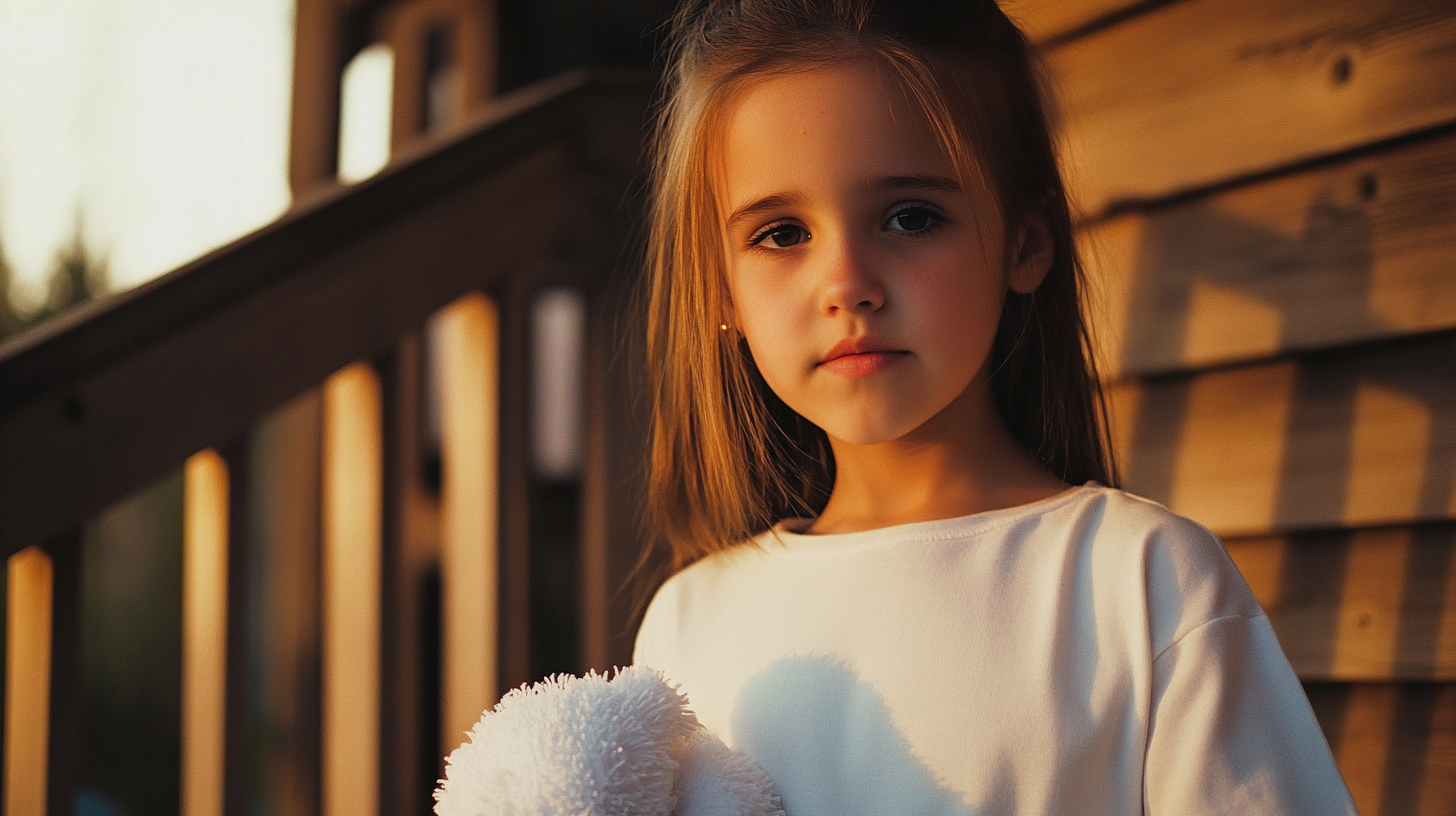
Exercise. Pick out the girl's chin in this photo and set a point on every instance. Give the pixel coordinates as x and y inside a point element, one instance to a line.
<point>869,433</point>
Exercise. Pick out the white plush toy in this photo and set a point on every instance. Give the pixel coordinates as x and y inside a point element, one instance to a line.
<point>597,746</point>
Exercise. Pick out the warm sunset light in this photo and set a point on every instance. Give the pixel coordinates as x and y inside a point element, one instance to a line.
<point>160,125</point>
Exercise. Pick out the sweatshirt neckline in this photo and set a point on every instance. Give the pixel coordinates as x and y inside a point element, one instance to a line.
<point>933,530</point>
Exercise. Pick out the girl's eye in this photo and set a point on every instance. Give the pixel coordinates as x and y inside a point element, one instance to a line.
<point>781,236</point>
<point>913,220</point>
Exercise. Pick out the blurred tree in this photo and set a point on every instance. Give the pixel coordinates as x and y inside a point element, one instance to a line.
<point>10,319</point>
<point>77,275</point>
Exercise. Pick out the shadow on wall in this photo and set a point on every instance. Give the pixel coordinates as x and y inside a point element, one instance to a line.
<point>814,714</point>
<point>1347,450</point>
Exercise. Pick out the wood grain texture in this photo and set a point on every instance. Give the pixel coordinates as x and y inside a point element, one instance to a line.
<point>1043,20</point>
<point>1359,605</point>
<point>1360,438</point>
<point>1395,744</point>
<point>1358,250</point>
<point>1203,91</point>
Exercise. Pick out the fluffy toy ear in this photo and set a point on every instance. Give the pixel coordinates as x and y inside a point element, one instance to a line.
<point>714,780</point>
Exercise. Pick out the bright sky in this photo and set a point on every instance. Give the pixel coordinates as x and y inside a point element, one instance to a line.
<point>163,124</point>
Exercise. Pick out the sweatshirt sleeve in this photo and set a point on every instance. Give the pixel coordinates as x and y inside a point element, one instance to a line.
<point>1232,732</point>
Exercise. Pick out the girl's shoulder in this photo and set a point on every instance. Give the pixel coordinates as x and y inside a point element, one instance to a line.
<point>1185,574</point>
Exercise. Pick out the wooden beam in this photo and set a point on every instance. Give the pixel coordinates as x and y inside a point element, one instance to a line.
<point>91,413</point>
<point>27,681</point>
<point>1395,744</point>
<point>411,551</point>
<point>1204,91</point>
<point>467,344</point>
<point>204,634</point>
<point>1343,253</point>
<point>515,631</point>
<point>1359,605</point>
<point>284,510</point>
<point>1043,20</point>
<point>1361,438</point>
<point>352,474</point>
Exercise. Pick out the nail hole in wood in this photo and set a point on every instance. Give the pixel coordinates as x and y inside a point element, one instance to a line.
<point>1369,187</point>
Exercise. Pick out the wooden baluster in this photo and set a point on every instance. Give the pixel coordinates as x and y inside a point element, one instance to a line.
<point>466,335</point>
<point>408,758</point>
<point>515,488</point>
<point>27,680</point>
<point>65,702</point>
<point>351,592</point>
<point>284,496</point>
<point>613,446</point>
<point>239,582</point>
<point>205,642</point>
<point>42,661</point>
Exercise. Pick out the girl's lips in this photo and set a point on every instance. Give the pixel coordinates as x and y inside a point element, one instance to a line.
<point>863,364</point>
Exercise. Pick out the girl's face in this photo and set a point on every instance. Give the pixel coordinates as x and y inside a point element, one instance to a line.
<point>865,277</point>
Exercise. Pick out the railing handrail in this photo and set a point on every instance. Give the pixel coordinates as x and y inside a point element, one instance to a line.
<point>39,360</point>
<point>56,439</point>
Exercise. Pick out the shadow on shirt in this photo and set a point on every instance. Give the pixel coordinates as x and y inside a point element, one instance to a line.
<point>829,742</point>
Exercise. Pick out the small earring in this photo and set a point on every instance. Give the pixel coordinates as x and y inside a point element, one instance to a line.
<point>722,327</point>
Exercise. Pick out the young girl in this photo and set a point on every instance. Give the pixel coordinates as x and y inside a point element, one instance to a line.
<point>904,584</point>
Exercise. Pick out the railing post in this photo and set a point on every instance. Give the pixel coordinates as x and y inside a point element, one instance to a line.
<point>515,484</point>
<point>408,758</point>
<point>65,702</point>
<point>467,339</point>
<point>351,592</point>
<point>27,680</point>
<point>239,583</point>
<point>206,641</point>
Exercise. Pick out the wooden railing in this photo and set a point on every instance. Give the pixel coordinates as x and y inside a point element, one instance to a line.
<point>323,314</point>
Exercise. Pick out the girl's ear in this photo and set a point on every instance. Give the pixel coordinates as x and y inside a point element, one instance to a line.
<point>1032,259</point>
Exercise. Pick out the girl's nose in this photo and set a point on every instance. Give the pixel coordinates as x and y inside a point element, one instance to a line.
<point>850,282</point>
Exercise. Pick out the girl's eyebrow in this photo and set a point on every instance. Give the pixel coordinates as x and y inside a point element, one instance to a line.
<point>761,205</point>
<point>758,206</point>
<point>939,184</point>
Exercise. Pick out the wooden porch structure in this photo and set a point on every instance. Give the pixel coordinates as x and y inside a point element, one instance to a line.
<point>1268,199</point>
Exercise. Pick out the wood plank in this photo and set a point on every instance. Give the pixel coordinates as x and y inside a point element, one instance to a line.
<point>1359,605</point>
<point>615,437</point>
<point>1362,438</point>
<point>352,560</point>
<point>1359,250</point>
<point>63,762</point>
<point>1203,91</point>
<point>204,633</point>
<point>410,763</point>
<point>1043,20</point>
<point>284,528</point>
<point>89,408</point>
<point>466,340</point>
<point>1395,744</point>
<point>27,681</point>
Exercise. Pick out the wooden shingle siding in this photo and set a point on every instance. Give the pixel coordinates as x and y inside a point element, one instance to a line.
<point>1359,605</point>
<point>1356,438</point>
<point>1201,92</point>
<point>1267,200</point>
<point>1361,249</point>
<point>1395,743</point>
<point>1050,20</point>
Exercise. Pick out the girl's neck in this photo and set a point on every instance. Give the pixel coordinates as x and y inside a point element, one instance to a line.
<point>962,461</point>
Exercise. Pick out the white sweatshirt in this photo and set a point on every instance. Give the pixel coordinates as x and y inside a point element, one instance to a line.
<point>1092,653</point>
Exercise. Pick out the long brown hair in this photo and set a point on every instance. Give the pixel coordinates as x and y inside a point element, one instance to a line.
<point>729,459</point>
